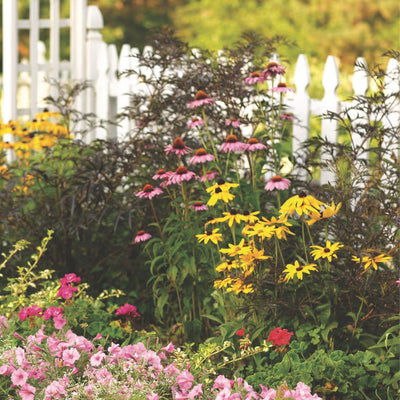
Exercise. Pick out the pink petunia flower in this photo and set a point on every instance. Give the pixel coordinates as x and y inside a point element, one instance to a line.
<point>149,192</point>
<point>177,147</point>
<point>97,359</point>
<point>180,175</point>
<point>55,390</point>
<point>279,336</point>
<point>184,380</point>
<point>200,99</point>
<point>211,175</point>
<point>234,122</point>
<point>169,348</point>
<point>255,77</point>
<point>232,144</point>
<point>277,182</point>
<point>282,88</point>
<point>69,356</point>
<point>272,69</point>
<point>19,377</point>
<point>59,322</point>
<point>3,323</point>
<point>199,206</point>
<point>201,156</point>
<point>254,145</point>
<point>195,122</point>
<point>27,392</point>
<point>142,236</point>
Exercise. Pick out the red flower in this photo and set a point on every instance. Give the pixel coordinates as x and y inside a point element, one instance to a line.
<point>240,332</point>
<point>279,337</point>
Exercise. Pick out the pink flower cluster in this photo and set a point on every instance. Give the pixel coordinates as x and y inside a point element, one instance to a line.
<point>127,310</point>
<point>279,336</point>
<point>32,311</point>
<point>67,289</point>
<point>67,365</point>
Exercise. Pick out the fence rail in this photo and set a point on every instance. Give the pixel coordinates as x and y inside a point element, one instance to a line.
<point>93,60</point>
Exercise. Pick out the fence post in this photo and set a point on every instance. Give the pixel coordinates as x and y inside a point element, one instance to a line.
<point>112,88</point>
<point>93,47</point>
<point>301,110</point>
<point>329,127</point>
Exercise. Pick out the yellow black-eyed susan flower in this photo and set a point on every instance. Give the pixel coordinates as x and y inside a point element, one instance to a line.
<point>326,252</point>
<point>298,270</point>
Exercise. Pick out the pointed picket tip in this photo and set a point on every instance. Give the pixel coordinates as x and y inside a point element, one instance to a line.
<point>360,79</point>
<point>302,77</point>
<point>94,18</point>
<point>330,78</point>
<point>392,78</point>
<point>124,62</point>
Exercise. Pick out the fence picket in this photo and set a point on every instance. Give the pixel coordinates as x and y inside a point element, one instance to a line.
<point>329,127</point>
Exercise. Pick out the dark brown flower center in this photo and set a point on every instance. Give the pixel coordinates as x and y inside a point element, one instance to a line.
<point>148,188</point>
<point>282,84</point>
<point>201,152</point>
<point>209,233</point>
<point>197,203</point>
<point>231,139</point>
<point>195,119</point>
<point>277,178</point>
<point>233,212</point>
<point>255,74</point>
<point>140,233</point>
<point>272,64</point>
<point>298,269</point>
<point>200,95</point>
<point>178,144</point>
<point>161,171</point>
<point>302,194</point>
<point>181,170</point>
<point>252,141</point>
<point>218,190</point>
<point>327,250</point>
<point>220,182</point>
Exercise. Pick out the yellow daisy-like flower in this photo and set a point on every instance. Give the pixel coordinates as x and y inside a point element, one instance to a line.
<point>281,232</point>
<point>221,184</point>
<point>210,235</point>
<point>260,230</point>
<point>273,221</point>
<point>327,212</point>
<point>326,252</point>
<point>232,216</point>
<point>227,265</point>
<point>219,284</point>
<point>302,203</point>
<point>372,261</point>
<point>237,249</point>
<point>251,218</point>
<point>220,194</point>
<point>254,255</point>
<point>239,286</point>
<point>298,270</point>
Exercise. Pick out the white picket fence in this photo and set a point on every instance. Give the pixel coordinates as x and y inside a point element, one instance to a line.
<point>92,59</point>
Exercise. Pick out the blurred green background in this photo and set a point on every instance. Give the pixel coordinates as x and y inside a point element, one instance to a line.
<point>344,28</point>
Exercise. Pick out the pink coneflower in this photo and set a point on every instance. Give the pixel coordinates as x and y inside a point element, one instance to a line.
<point>142,236</point>
<point>178,147</point>
<point>232,144</point>
<point>181,174</point>
<point>201,156</point>
<point>286,116</point>
<point>255,77</point>
<point>277,182</point>
<point>253,145</point>
<point>282,88</point>
<point>199,206</point>
<point>149,192</point>
<point>200,99</point>
<point>232,122</point>
<point>161,174</point>
<point>211,175</point>
<point>271,70</point>
<point>195,122</point>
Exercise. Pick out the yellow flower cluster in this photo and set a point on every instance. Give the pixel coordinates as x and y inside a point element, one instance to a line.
<point>33,136</point>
